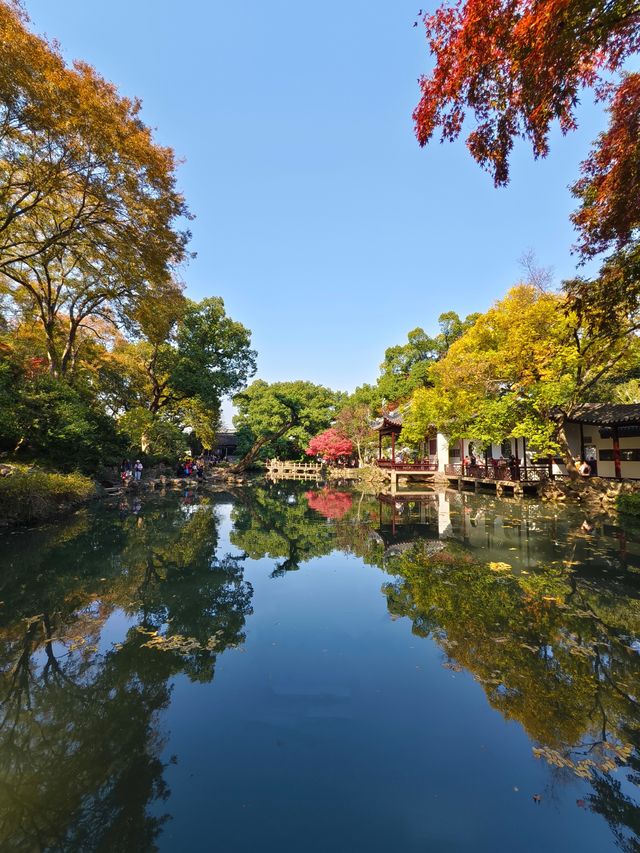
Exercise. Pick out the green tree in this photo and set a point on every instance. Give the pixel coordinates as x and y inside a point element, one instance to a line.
<point>407,367</point>
<point>269,413</point>
<point>192,356</point>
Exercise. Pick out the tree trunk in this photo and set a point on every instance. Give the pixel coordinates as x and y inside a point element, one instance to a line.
<point>145,442</point>
<point>563,441</point>
<point>257,446</point>
<point>68,356</point>
<point>52,351</point>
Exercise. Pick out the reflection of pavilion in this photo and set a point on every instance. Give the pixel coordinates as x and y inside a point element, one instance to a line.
<point>407,518</point>
<point>521,534</point>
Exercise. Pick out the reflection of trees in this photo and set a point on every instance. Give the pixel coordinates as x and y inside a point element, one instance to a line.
<point>552,650</point>
<point>285,523</point>
<point>275,521</point>
<point>80,738</point>
<point>619,810</point>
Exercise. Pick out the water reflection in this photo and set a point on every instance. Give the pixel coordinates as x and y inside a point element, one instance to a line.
<point>80,737</point>
<point>99,617</point>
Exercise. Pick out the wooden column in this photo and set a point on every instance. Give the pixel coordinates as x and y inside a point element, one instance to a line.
<point>524,455</point>
<point>581,442</point>
<point>393,447</point>
<point>616,453</point>
<point>379,446</point>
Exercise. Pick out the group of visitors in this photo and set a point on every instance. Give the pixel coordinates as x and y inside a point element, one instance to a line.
<point>130,471</point>
<point>191,468</point>
<point>499,467</point>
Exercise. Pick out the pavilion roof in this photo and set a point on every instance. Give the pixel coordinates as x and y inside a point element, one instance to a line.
<point>389,422</point>
<point>608,414</point>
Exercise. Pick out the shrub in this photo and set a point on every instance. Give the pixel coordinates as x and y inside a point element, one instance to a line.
<point>30,496</point>
<point>629,504</point>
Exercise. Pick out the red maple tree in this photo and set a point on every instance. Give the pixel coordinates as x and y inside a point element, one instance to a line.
<point>330,445</point>
<point>609,188</point>
<point>519,65</point>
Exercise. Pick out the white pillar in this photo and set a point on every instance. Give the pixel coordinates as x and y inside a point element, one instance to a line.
<point>444,516</point>
<point>442,449</point>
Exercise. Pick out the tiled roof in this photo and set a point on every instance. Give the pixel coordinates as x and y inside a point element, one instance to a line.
<point>608,414</point>
<point>389,419</point>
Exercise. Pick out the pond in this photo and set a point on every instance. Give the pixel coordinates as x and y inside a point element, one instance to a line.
<point>284,668</point>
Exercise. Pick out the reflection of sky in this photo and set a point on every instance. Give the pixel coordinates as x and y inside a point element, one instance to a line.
<point>335,724</point>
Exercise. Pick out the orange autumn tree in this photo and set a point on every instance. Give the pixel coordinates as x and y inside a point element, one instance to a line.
<point>514,67</point>
<point>90,216</point>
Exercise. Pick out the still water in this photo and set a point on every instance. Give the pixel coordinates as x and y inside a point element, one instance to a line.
<point>281,669</point>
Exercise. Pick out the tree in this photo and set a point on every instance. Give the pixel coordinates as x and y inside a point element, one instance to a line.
<point>295,410</point>
<point>88,202</point>
<point>518,67</point>
<point>609,189</point>
<point>408,366</point>
<point>522,370</point>
<point>330,445</point>
<point>354,422</point>
<point>192,356</point>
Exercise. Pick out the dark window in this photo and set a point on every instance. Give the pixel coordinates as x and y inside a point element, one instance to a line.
<point>454,453</point>
<point>505,448</point>
<point>626,455</point>
<point>433,446</point>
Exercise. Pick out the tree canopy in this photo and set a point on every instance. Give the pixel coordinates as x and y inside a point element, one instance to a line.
<point>90,217</point>
<point>517,67</point>
<point>291,411</point>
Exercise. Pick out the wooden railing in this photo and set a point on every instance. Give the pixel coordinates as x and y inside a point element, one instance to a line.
<point>407,466</point>
<point>504,473</point>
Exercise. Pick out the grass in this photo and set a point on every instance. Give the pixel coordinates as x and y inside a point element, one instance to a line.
<point>28,496</point>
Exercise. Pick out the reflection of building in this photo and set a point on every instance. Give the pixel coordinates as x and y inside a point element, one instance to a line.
<point>517,533</point>
<point>607,435</point>
<point>403,519</point>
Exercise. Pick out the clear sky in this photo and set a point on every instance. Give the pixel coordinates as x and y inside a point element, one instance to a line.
<point>322,224</point>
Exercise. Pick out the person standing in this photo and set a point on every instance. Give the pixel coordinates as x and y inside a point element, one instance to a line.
<point>137,470</point>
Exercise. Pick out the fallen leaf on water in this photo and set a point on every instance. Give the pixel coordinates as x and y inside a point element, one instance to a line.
<point>581,804</point>
<point>537,798</point>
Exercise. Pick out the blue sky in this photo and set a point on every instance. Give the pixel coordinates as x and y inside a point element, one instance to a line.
<point>319,220</point>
